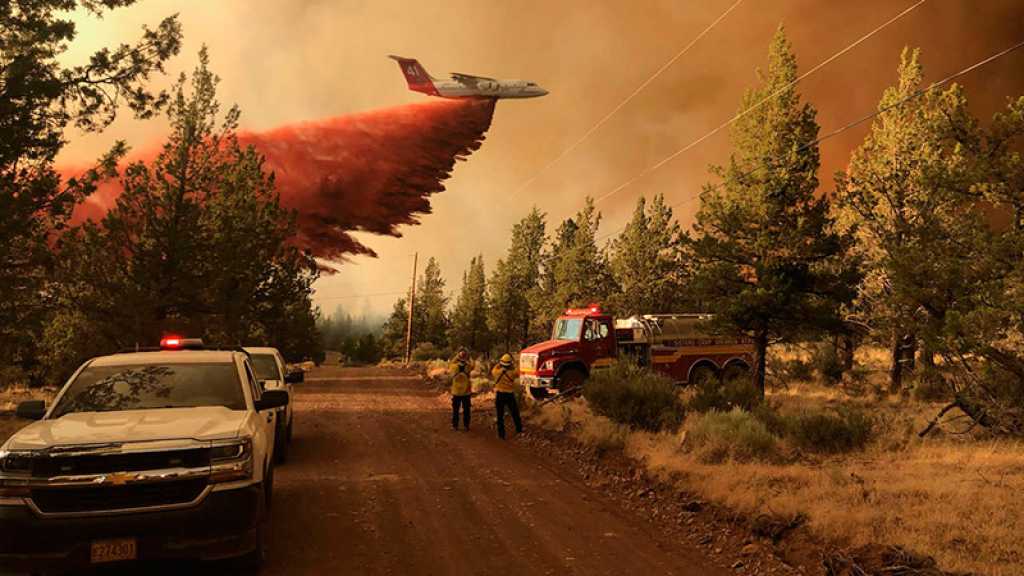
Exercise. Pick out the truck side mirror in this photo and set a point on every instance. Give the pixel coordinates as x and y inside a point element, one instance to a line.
<point>272,399</point>
<point>31,410</point>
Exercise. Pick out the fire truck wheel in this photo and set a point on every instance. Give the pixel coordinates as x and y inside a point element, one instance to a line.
<point>735,371</point>
<point>702,376</point>
<point>571,378</point>
<point>539,393</point>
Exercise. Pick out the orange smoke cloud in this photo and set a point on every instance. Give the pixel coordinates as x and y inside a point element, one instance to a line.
<point>371,171</point>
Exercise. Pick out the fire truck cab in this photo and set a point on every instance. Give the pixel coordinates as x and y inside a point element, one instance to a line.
<point>587,339</point>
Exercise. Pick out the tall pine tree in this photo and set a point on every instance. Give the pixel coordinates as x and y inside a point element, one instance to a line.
<point>903,195</point>
<point>769,263</point>
<point>513,279</point>
<point>469,317</point>
<point>646,261</point>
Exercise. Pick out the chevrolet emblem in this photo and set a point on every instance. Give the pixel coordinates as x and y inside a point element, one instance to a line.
<point>119,478</point>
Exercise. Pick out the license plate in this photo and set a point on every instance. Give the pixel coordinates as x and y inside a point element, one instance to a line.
<point>114,550</point>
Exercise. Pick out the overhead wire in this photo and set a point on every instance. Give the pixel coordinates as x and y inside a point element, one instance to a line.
<point>865,118</point>
<point>586,135</point>
<point>758,104</point>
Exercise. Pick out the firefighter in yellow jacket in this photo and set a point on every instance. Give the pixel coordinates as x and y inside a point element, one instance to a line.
<point>461,388</point>
<point>505,375</point>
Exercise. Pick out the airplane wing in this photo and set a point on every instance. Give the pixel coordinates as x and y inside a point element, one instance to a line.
<point>469,78</point>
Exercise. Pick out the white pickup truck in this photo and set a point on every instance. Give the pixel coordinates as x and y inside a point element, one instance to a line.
<point>164,454</point>
<point>272,373</point>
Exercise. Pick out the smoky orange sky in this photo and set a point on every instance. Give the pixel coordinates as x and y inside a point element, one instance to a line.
<point>300,60</point>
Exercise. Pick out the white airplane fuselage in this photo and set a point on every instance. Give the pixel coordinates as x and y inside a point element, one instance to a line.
<point>464,85</point>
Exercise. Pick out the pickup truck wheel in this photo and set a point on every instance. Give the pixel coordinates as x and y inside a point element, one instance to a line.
<point>252,562</point>
<point>570,378</point>
<point>281,436</point>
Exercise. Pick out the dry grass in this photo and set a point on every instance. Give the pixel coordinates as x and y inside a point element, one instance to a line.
<point>956,498</point>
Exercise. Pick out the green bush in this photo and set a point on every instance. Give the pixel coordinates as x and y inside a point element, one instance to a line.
<point>798,370</point>
<point>826,362</point>
<point>844,430</point>
<point>428,351</point>
<point>634,396</point>
<point>725,394</point>
<point>930,386</point>
<point>735,435</point>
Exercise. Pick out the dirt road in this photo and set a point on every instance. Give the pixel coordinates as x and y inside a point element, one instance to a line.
<point>378,483</point>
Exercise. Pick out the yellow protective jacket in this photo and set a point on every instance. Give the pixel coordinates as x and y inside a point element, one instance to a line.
<point>504,379</point>
<point>460,379</point>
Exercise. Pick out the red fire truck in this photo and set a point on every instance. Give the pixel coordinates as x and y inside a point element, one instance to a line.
<point>587,339</point>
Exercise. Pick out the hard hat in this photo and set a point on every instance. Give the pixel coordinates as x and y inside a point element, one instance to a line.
<point>462,356</point>
<point>506,360</point>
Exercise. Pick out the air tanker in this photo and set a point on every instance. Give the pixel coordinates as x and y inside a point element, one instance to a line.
<point>464,85</point>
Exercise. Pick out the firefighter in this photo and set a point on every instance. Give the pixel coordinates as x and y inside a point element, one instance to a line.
<point>504,374</point>
<point>461,388</point>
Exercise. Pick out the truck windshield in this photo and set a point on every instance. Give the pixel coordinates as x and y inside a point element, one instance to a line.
<point>115,388</point>
<point>567,329</point>
<point>265,366</point>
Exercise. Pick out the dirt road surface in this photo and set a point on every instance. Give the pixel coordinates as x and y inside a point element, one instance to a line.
<point>378,483</point>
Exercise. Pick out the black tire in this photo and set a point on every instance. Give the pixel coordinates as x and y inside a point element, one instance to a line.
<point>280,445</point>
<point>702,376</point>
<point>539,393</point>
<point>735,371</point>
<point>253,562</point>
<point>570,378</point>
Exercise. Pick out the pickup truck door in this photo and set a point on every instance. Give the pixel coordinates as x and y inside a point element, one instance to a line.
<point>264,420</point>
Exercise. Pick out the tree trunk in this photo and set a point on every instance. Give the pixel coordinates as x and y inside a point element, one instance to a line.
<point>847,347</point>
<point>896,368</point>
<point>760,361</point>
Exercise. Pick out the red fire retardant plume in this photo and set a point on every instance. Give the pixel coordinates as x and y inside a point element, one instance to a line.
<point>371,171</point>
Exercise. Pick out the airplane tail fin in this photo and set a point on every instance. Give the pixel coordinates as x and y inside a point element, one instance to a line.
<point>416,75</point>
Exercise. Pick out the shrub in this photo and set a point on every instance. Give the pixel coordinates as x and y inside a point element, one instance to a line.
<point>634,396</point>
<point>826,362</point>
<point>602,434</point>
<point>930,386</point>
<point>798,370</point>
<point>428,351</point>
<point>829,433</point>
<point>734,435</point>
<point>724,395</point>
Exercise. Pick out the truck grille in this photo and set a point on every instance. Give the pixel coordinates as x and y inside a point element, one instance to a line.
<point>528,362</point>
<point>120,462</point>
<point>103,498</point>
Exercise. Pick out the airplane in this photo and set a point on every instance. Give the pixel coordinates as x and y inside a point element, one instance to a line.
<point>464,85</point>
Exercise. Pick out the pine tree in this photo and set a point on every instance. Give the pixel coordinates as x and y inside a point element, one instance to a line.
<point>513,279</point>
<point>646,262</point>
<point>39,98</point>
<point>197,243</point>
<point>469,317</point>
<point>430,320</point>
<point>575,271</point>
<point>768,262</point>
<point>904,197</point>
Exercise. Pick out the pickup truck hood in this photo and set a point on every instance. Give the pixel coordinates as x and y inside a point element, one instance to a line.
<point>205,423</point>
<point>552,346</point>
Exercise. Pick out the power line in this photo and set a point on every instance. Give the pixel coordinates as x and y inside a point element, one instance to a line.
<point>865,118</point>
<point>758,104</point>
<point>620,105</point>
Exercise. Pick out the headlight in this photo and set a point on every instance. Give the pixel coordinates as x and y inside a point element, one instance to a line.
<point>231,461</point>
<point>16,462</point>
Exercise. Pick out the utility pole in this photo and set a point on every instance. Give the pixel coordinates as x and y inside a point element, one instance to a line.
<point>412,309</point>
